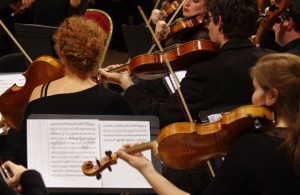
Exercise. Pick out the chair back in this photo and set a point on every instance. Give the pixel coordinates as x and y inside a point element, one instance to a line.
<point>105,22</point>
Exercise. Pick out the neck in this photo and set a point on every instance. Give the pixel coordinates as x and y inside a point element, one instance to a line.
<point>281,123</point>
<point>291,37</point>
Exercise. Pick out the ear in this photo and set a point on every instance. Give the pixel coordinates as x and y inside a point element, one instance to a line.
<point>289,24</point>
<point>272,96</point>
<point>220,24</point>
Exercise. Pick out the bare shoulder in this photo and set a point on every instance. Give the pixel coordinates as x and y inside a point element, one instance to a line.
<point>36,93</point>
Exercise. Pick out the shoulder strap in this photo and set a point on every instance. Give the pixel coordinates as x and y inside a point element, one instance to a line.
<point>44,90</point>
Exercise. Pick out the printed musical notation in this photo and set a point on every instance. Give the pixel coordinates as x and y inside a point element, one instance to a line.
<point>64,144</point>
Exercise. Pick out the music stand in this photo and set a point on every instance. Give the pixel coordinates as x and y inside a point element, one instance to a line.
<point>138,39</point>
<point>36,39</point>
<point>40,119</point>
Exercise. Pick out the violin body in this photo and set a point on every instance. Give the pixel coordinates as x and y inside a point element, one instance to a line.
<point>188,145</point>
<point>14,100</point>
<point>181,27</point>
<point>152,66</point>
<point>268,20</point>
<point>170,7</point>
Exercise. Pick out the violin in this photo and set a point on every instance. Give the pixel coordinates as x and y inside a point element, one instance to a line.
<point>14,100</point>
<point>152,66</point>
<point>187,145</point>
<point>268,20</point>
<point>169,7</point>
<point>180,27</point>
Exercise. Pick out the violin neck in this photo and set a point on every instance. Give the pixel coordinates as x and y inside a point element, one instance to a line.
<point>146,146</point>
<point>124,67</point>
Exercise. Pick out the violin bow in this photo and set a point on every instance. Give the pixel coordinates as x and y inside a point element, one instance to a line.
<point>176,80</point>
<point>15,41</point>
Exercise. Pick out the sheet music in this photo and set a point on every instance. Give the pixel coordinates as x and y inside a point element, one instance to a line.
<point>7,80</point>
<point>64,144</point>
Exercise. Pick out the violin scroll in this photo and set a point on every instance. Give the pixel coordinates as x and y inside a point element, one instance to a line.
<point>89,169</point>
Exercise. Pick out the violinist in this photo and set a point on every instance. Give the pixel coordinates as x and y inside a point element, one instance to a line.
<point>287,29</point>
<point>258,163</point>
<point>220,81</point>
<point>191,10</point>
<point>79,43</point>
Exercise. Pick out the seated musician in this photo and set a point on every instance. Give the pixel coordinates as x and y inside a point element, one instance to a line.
<point>260,163</point>
<point>191,9</point>
<point>79,43</point>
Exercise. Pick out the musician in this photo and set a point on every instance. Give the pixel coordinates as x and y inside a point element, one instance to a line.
<point>220,81</point>
<point>287,29</point>
<point>28,181</point>
<point>268,163</point>
<point>260,163</point>
<point>190,9</point>
<point>79,43</point>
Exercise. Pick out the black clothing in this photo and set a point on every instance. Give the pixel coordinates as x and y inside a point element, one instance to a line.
<point>96,100</point>
<point>32,183</point>
<point>255,165</point>
<point>221,81</point>
<point>52,12</point>
<point>292,47</point>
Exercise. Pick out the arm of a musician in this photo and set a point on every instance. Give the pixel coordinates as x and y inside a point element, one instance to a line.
<point>159,184</point>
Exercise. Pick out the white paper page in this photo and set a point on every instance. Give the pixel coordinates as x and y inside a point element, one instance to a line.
<point>7,80</point>
<point>58,148</point>
<point>113,135</point>
<point>170,80</point>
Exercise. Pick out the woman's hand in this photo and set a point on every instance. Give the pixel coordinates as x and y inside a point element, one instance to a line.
<point>120,78</point>
<point>137,160</point>
<point>157,15</point>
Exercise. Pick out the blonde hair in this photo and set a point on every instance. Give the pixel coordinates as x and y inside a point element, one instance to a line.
<point>282,72</point>
<point>80,42</point>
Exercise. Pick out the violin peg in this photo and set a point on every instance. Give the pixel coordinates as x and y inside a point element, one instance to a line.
<point>98,176</point>
<point>98,162</point>
<point>109,168</point>
<point>108,153</point>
